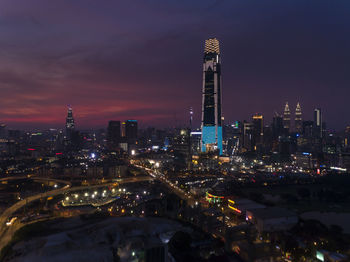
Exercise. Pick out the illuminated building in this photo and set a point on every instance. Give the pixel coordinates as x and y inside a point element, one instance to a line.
<point>241,205</point>
<point>303,159</point>
<point>298,121</point>
<point>69,122</point>
<point>231,206</point>
<point>232,137</point>
<point>258,129</point>
<point>191,118</point>
<point>195,142</point>
<point>318,123</point>
<point>248,136</point>
<point>181,143</point>
<point>113,134</point>
<point>286,118</point>
<point>214,199</point>
<point>211,139</point>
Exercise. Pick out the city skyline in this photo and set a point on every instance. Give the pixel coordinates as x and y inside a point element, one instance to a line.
<point>174,131</point>
<point>262,71</point>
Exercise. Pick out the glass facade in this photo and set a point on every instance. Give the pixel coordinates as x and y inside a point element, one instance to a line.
<point>211,100</point>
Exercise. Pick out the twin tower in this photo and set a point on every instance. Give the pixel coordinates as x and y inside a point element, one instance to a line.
<point>298,121</point>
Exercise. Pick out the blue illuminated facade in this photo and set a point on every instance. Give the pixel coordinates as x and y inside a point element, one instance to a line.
<point>211,139</point>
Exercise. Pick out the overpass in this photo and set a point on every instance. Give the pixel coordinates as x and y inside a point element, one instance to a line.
<point>8,213</point>
<point>35,178</point>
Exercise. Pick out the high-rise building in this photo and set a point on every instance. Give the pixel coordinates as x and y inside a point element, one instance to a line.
<point>211,139</point>
<point>258,129</point>
<point>2,130</point>
<point>113,134</point>
<point>232,137</point>
<point>298,121</point>
<point>191,118</point>
<point>130,128</point>
<point>248,136</point>
<point>70,125</point>
<point>277,126</point>
<point>318,128</point>
<point>308,127</point>
<point>286,118</point>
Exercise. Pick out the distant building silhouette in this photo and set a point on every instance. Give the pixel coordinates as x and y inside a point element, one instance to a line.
<point>130,128</point>
<point>277,126</point>
<point>70,124</point>
<point>113,134</point>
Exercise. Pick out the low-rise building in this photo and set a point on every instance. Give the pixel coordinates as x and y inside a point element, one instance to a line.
<point>271,219</point>
<point>241,205</point>
<point>326,256</point>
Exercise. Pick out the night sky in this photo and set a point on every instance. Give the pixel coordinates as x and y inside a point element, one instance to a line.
<point>142,59</point>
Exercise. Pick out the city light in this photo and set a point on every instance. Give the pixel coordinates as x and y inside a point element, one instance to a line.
<point>159,158</point>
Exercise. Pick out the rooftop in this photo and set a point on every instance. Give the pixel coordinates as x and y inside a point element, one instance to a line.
<point>272,212</point>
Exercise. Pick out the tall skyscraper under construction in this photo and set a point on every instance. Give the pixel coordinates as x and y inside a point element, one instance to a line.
<point>211,139</point>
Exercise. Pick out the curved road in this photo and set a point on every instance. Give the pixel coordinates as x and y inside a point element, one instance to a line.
<point>11,210</point>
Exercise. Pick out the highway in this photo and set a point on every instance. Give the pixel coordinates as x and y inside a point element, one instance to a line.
<point>183,195</point>
<point>174,188</point>
<point>35,178</point>
<point>8,213</point>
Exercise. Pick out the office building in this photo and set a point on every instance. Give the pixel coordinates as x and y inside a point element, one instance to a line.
<point>113,135</point>
<point>211,139</point>
<point>3,133</point>
<point>258,129</point>
<point>318,128</point>
<point>130,131</point>
<point>70,124</point>
<point>308,127</point>
<point>248,136</point>
<point>277,126</point>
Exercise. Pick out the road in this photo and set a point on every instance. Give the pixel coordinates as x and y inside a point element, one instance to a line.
<point>173,187</point>
<point>184,195</point>
<point>8,213</point>
<point>35,178</point>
